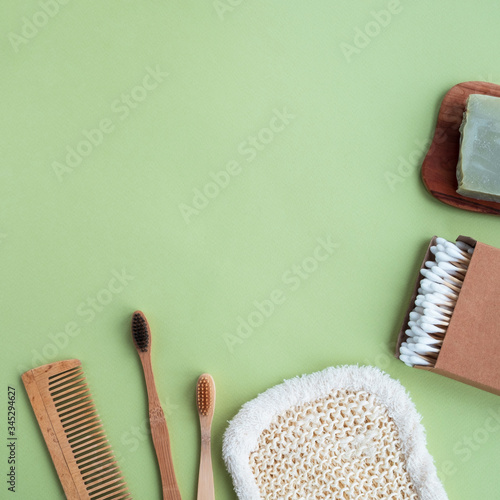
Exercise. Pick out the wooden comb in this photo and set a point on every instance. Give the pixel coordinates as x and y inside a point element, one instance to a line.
<point>73,432</point>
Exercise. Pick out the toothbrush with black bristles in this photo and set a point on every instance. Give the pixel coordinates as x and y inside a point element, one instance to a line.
<point>142,341</point>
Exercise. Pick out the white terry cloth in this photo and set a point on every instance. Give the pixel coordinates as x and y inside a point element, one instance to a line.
<point>349,433</point>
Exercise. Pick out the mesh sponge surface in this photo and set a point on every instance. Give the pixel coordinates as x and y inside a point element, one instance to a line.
<point>344,433</point>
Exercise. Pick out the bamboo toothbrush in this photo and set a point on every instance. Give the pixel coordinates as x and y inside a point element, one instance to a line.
<point>205,401</point>
<point>142,340</point>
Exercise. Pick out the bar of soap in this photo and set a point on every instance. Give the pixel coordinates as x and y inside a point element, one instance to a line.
<point>478,169</point>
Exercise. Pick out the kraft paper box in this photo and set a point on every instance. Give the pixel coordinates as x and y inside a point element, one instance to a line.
<point>471,348</point>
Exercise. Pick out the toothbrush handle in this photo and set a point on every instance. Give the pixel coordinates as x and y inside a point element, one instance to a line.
<point>206,477</point>
<point>161,439</point>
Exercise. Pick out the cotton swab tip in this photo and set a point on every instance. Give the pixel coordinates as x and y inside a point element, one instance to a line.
<point>406,360</point>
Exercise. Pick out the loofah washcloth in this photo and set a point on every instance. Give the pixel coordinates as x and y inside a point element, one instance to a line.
<point>343,433</point>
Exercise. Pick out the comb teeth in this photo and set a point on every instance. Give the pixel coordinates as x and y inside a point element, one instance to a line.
<point>85,435</point>
<point>140,331</point>
<point>203,396</point>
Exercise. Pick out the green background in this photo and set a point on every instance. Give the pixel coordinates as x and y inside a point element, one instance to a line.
<point>334,171</point>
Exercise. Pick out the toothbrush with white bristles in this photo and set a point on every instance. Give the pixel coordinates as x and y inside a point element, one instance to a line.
<point>437,296</point>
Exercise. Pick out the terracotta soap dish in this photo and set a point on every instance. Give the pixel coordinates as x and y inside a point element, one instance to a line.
<point>440,164</point>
